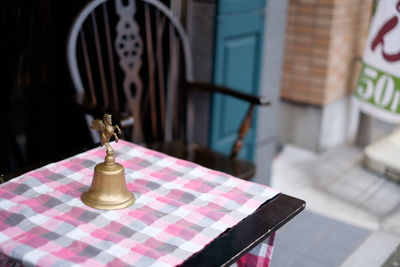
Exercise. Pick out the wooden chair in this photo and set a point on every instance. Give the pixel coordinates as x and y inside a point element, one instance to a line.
<point>132,59</point>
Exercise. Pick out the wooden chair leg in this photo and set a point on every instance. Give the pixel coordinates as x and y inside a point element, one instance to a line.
<point>244,128</point>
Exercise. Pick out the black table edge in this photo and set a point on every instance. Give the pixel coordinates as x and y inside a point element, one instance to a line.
<point>235,242</point>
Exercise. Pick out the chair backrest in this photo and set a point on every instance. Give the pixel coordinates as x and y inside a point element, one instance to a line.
<point>130,58</point>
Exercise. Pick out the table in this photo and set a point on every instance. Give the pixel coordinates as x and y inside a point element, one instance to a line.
<point>185,215</point>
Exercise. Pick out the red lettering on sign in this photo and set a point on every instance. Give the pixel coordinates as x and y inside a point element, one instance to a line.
<point>385,29</point>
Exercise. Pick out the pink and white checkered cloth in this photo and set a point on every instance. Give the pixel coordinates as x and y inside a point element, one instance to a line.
<point>180,208</point>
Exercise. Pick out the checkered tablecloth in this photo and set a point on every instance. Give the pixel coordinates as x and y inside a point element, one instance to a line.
<point>180,208</point>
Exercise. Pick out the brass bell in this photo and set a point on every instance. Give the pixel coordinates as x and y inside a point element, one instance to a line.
<point>108,190</point>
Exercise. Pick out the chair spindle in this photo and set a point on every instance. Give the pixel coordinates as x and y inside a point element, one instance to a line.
<point>171,88</point>
<point>100,60</point>
<point>88,68</point>
<point>150,61</point>
<point>110,58</point>
<point>160,25</point>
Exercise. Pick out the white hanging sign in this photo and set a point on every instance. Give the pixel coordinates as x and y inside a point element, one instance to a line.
<point>378,88</point>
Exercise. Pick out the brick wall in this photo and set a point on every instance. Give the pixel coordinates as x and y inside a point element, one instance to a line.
<point>323,39</point>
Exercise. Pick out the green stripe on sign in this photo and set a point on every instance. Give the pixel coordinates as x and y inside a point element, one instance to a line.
<point>379,88</point>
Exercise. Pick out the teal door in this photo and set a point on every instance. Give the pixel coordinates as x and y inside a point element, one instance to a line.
<point>237,64</point>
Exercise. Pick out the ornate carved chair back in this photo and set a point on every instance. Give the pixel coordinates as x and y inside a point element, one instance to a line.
<point>129,58</point>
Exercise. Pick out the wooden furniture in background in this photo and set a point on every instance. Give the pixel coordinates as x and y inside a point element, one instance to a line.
<point>142,74</point>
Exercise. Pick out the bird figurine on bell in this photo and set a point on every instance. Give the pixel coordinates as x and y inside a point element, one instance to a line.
<point>108,190</point>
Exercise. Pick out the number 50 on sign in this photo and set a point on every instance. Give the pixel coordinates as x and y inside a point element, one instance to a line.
<point>379,89</point>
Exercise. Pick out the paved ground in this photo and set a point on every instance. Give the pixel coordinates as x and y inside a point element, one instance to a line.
<point>337,187</point>
<point>312,240</point>
<point>394,259</point>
